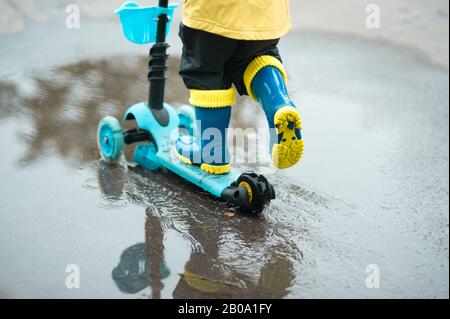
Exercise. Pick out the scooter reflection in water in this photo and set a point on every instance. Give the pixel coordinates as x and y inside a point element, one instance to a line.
<point>229,258</point>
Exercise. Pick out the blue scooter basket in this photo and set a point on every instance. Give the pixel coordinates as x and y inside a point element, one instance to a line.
<point>140,23</point>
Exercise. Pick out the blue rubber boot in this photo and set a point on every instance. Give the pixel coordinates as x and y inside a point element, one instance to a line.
<point>209,149</point>
<point>265,79</point>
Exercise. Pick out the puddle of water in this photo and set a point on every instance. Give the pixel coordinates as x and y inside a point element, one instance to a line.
<point>353,202</point>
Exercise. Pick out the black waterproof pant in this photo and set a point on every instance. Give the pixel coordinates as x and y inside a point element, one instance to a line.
<point>213,62</point>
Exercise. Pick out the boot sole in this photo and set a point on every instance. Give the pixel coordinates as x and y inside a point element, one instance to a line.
<point>290,150</point>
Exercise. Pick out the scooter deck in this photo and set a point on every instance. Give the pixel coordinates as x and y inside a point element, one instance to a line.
<point>160,153</point>
<point>214,184</point>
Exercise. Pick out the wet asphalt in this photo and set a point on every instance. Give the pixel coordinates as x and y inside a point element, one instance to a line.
<point>372,188</point>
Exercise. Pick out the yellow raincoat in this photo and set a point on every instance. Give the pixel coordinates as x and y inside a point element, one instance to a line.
<point>239,19</point>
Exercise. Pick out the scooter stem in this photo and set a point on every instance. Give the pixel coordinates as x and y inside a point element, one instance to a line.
<point>157,69</point>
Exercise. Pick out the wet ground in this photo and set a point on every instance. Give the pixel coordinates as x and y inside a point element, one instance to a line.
<point>372,189</point>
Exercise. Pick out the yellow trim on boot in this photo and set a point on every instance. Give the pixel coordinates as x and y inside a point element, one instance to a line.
<point>290,150</point>
<point>213,98</point>
<point>215,169</point>
<point>211,169</point>
<point>185,160</point>
<point>256,65</point>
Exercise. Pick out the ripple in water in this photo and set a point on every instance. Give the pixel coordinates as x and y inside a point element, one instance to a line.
<point>91,184</point>
<point>109,203</point>
<point>112,181</point>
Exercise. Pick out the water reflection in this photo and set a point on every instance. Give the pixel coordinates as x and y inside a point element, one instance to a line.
<point>61,108</point>
<point>229,257</point>
<point>372,164</point>
<point>237,257</point>
<point>143,265</point>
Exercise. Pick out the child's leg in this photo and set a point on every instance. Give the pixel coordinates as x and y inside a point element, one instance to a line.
<point>211,93</point>
<point>265,80</point>
<point>209,148</point>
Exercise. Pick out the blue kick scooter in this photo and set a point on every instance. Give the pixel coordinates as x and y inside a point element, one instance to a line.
<point>159,124</point>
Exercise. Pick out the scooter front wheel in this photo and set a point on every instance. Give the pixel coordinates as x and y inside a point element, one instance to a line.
<point>110,139</point>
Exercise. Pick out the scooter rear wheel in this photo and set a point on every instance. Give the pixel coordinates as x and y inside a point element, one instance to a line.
<point>260,192</point>
<point>110,139</point>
